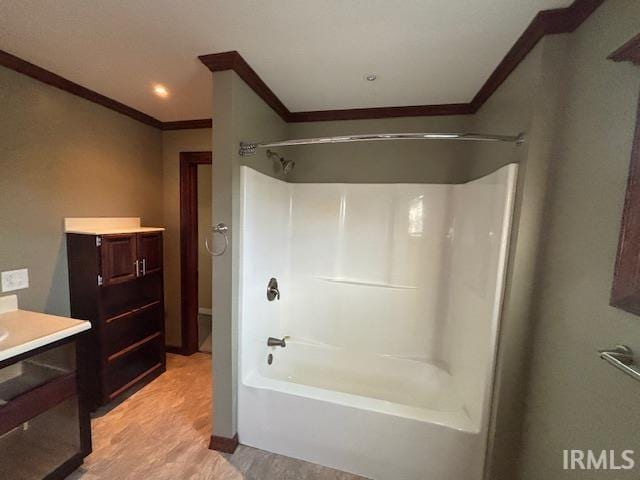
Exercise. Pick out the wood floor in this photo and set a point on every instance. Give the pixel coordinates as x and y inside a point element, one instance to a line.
<point>162,432</point>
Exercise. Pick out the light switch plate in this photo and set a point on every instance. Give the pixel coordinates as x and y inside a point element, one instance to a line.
<point>15,280</point>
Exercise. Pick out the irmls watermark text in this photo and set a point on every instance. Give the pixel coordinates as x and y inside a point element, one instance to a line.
<point>597,460</point>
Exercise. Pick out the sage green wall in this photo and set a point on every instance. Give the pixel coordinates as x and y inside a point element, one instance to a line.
<point>525,102</point>
<point>238,115</point>
<point>575,400</point>
<point>578,110</point>
<point>371,162</point>
<point>174,142</point>
<point>62,156</point>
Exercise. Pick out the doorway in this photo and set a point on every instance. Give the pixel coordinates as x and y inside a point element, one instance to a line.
<point>195,263</point>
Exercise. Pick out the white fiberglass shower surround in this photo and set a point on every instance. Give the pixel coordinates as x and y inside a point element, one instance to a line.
<point>390,299</point>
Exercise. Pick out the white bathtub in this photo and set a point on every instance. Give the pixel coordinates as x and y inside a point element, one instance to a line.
<point>391,297</point>
<point>355,412</point>
<point>384,384</point>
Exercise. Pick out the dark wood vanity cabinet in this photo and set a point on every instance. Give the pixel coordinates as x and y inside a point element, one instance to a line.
<point>45,430</point>
<point>116,282</point>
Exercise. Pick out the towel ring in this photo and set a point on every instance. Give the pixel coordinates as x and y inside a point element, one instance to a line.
<point>222,229</point>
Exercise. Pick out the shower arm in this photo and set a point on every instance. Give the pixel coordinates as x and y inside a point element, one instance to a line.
<point>250,148</point>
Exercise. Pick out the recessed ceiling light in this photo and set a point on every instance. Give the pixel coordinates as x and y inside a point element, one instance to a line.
<point>160,90</point>
<point>371,77</point>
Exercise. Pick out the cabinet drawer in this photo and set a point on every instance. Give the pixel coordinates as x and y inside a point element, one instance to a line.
<point>128,369</point>
<point>127,330</point>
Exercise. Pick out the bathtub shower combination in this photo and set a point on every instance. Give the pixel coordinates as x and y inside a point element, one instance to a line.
<point>389,305</point>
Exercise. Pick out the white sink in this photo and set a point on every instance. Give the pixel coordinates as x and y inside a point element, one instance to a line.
<point>3,333</point>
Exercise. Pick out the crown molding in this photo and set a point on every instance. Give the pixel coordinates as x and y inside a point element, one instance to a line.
<point>546,22</point>
<point>218,62</point>
<point>22,66</point>
<point>34,71</point>
<point>381,112</point>
<point>187,124</point>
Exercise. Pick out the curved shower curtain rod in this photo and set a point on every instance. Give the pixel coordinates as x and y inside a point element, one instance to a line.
<point>250,148</point>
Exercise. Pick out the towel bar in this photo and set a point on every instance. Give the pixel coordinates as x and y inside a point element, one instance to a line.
<point>621,357</point>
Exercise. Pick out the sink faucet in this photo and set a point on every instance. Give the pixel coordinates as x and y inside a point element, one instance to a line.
<point>276,342</point>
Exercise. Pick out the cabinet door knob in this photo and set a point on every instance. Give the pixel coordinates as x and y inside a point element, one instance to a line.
<point>144,266</point>
<point>137,265</point>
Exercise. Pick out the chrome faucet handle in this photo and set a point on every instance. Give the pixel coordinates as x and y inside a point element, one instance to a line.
<point>275,293</point>
<point>272,290</point>
<point>277,342</point>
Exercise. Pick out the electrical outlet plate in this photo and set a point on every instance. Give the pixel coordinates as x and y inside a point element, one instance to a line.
<point>15,280</point>
<point>8,303</point>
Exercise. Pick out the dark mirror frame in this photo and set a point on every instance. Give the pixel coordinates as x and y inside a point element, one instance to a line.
<point>625,292</point>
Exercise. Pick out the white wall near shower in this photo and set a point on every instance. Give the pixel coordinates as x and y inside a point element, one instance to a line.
<point>359,266</point>
<point>473,284</point>
<point>390,294</point>
<point>266,234</point>
<point>406,270</point>
<point>365,266</point>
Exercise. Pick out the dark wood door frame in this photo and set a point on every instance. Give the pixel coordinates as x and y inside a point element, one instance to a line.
<point>625,291</point>
<point>189,162</point>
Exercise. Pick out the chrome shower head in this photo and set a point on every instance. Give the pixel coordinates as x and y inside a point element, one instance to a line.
<point>287,165</point>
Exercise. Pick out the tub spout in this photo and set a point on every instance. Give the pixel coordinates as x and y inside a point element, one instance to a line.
<point>276,342</point>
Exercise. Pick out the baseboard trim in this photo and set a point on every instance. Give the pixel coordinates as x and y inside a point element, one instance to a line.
<point>174,349</point>
<point>224,444</point>
<point>67,468</point>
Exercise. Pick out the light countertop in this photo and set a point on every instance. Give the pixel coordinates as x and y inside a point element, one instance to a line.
<point>106,225</point>
<point>26,331</point>
<point>113,231</point>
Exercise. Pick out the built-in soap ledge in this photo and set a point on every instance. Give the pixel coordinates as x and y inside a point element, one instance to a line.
<point>365,283</point>
<point>106,225</point>
<point>22,331</point>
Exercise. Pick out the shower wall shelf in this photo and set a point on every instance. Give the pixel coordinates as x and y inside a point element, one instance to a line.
<point>250,148</point>
<point>364,283</point>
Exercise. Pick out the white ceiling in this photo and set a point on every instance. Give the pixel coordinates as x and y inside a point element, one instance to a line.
<point>312,53</point>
